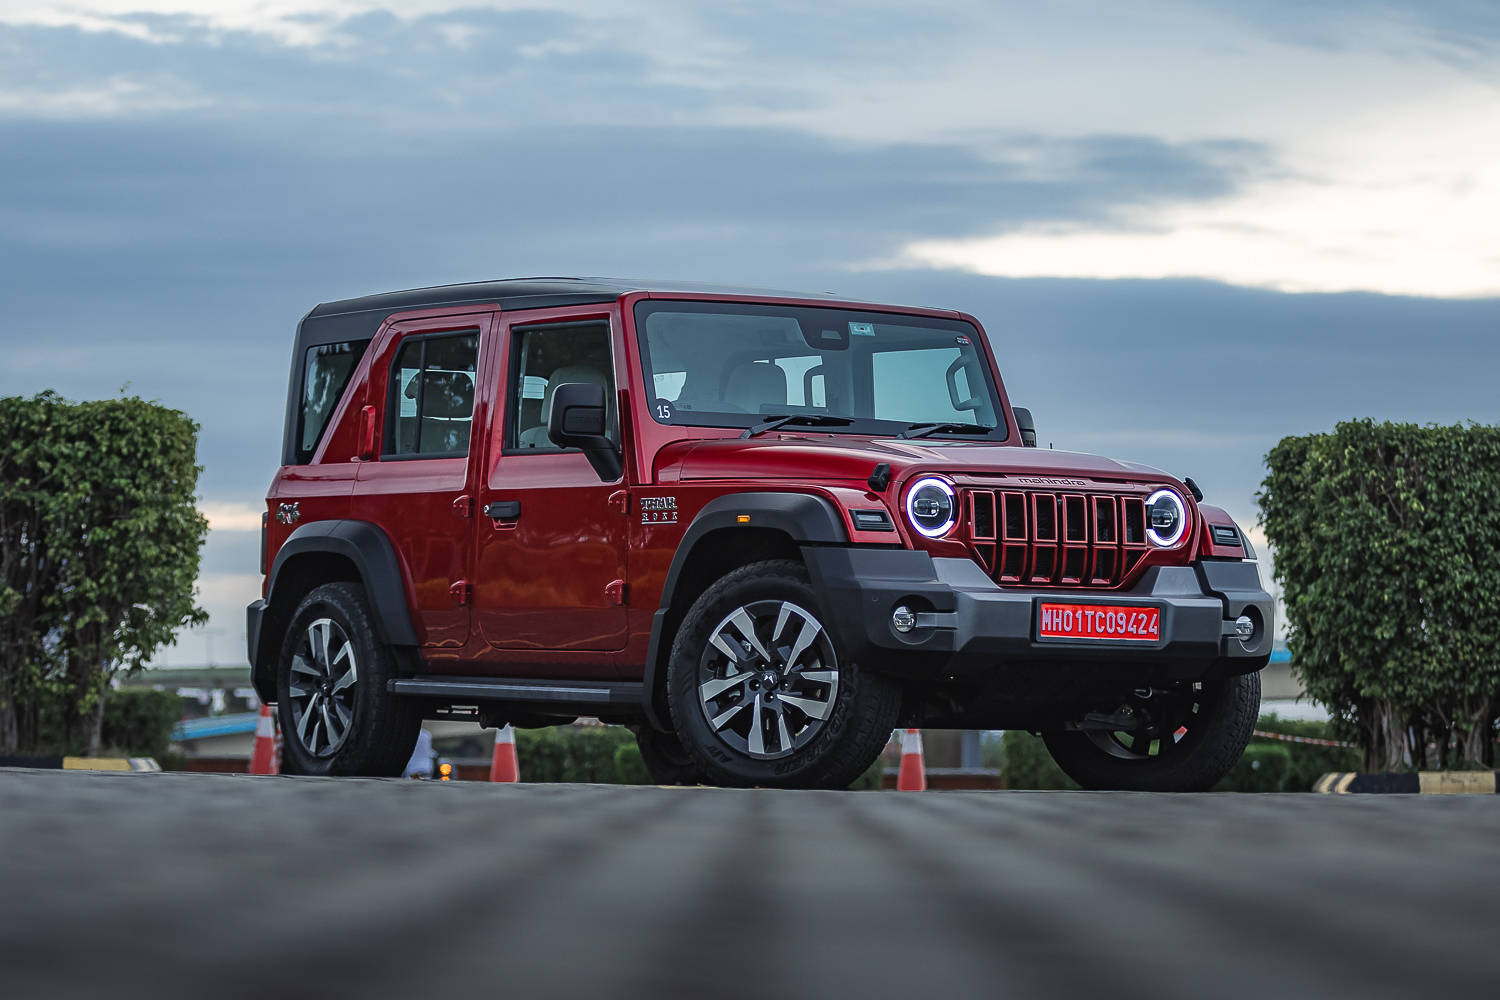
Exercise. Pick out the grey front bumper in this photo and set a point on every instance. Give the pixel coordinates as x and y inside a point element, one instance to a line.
<point>967,623</point>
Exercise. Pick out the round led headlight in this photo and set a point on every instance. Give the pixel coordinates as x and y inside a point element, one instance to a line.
<point>1166,518</point>
<point>931,507</point>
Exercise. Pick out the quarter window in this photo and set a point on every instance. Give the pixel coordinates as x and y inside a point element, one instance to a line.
<point>327,370</point>
<point>431,404</point>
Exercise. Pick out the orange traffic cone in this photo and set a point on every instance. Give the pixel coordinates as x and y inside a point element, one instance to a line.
<point>913,774</point>
<point>504,766</point>
<point>263,758</point>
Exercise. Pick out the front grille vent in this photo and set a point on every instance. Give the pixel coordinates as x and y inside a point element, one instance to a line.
<point>1057,539</point>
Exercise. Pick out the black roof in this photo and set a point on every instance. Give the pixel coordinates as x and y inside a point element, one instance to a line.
<point>533,293</point>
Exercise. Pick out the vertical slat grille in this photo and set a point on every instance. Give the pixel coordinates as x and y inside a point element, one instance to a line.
<point>1059,540</point>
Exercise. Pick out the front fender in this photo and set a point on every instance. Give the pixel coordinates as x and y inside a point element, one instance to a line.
<point>803,517</point>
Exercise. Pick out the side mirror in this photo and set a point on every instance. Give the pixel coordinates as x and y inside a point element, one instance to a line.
<point>577,419</point>
<point>1027,425</point>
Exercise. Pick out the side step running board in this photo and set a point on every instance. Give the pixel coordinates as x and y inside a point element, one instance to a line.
<point>480,689</point>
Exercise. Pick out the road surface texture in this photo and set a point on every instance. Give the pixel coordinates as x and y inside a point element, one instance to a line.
<point>204,886</point>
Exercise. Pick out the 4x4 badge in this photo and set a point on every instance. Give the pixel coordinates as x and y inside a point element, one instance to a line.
<point>288,513</point>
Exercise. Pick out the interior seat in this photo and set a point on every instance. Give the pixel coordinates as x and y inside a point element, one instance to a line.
<point>536,437</point>
<point>756,387</point>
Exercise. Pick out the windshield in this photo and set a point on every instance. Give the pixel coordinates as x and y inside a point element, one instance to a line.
<point>738,364</point>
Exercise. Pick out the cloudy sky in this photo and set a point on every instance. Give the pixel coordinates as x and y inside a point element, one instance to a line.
<point>1190,228</point>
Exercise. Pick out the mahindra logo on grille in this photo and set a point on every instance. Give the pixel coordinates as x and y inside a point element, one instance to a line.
<point>1040,481</point>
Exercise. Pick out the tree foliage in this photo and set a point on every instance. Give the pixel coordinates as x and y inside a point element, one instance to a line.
<point>99,545</point>
<point>1387,541</point>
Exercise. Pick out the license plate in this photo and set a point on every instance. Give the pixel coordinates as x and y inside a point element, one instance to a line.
<point>1099,621</point>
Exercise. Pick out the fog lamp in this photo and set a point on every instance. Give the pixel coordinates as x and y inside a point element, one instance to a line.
<point>903,620</point>
<point>1244,628</point>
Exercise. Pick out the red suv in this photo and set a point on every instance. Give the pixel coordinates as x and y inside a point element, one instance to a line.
<point>761,529</point>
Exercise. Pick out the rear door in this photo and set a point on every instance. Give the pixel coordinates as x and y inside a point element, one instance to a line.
<point>551,538</point>
<point>419,488</point>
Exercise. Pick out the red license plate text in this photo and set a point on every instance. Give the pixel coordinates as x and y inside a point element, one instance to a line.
<point>1099,621</point>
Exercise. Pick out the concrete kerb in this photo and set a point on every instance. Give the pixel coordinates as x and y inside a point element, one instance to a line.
<point>62,763</point>
<point>1413,783</point>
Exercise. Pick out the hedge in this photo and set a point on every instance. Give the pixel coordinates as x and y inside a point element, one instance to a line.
<point>1385,538</point>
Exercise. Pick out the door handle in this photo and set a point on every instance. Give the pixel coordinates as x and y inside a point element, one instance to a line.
<point>503,510</point>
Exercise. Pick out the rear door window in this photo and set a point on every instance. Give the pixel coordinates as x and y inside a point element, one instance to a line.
<point>430,410</point>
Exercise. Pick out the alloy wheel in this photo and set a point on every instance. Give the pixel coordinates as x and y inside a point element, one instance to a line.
<point>325,676</point>
<point>768,680</point>
<point>1164,717</point>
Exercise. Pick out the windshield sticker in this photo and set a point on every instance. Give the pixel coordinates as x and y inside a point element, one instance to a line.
<point>663,408</point>
<point>963,341</point>
<point>861,329</point>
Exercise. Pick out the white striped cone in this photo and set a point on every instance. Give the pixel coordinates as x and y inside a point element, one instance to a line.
<point>505,767</point>
<point>913,774</point>
<point>263,757</point>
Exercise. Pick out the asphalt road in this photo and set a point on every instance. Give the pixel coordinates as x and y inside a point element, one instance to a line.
<point>203,886</point>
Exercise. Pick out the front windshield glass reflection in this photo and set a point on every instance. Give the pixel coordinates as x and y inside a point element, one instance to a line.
<point>738,365</point>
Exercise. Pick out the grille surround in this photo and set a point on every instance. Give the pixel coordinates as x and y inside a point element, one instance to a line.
<point>1082,539</point>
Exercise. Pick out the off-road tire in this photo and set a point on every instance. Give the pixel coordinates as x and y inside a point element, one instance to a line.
<point>1212,745</point>
<point>666,760</point>
<point>858,726</point>
<point>383,730</point>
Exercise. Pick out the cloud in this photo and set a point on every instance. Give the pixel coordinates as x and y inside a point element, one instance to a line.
<point>186,178</point>
<point>232,515</point>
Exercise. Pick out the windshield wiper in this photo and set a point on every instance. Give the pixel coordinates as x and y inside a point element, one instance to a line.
<point>782,419</point>
<point>922,430</point>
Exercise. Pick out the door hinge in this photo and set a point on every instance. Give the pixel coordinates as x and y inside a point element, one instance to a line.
<point>614,592</point>
<point>463,506</point>
<point>462,591</point>
<point>620,501</point>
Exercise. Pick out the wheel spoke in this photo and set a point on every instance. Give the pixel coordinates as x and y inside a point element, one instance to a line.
<point>298,691</point>
<point>720,720</point>
<point>301,666</point>
<point>341,716</point>
<point>741,620</point>
<point>784,613</point>
<point>319,634</point>
<point>810,632</point>
<point>818,676</point>
<point>814,709</point>
<point>782,731</point>
<point>348,677</point>
<point>757,733</point>
<point>327,721</point>
<point>712,689</point>
<point>726,647</point>
<point>302,723</point>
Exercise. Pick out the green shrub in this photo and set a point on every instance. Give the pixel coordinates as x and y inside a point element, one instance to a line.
<point>571,753</point>
<point>1025,763</point>
<point>630,769</point>
<point>139,722</point>
<point>1308,763</point>
<point>1385,538</point>
<point>1262,768</point>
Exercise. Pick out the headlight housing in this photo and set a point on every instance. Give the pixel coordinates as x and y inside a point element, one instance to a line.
<point>1166,518</point>
<point>932,507</point>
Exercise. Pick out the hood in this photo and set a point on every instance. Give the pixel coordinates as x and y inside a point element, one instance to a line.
<point>848,457</point>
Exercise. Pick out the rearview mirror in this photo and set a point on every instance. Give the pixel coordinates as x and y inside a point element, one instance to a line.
<point>577,419</point>
<point>1026,424</point>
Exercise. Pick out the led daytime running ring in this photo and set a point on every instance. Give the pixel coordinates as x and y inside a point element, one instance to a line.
<point>1166,541</point>
<point>911,514</point>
